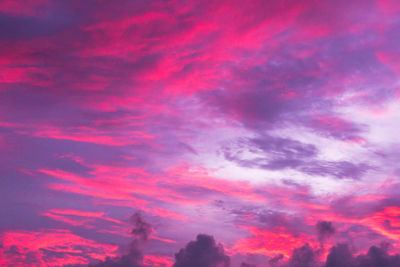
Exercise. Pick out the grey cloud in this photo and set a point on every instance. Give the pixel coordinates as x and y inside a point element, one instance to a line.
<point>203,252</point>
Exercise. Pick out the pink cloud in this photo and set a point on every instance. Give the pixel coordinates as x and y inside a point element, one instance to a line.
<point>30,248</point>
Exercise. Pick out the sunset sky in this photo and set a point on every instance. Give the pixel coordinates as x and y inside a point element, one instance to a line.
<point>129,127</point>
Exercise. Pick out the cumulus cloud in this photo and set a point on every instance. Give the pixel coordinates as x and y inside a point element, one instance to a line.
<point>203,252</point>
<point>340,256</point>
<point>304,256</point>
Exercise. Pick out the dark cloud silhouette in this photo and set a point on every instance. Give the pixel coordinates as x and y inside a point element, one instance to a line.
<point>203,252</point>
<point>340,256</point>
<point>324,231</point>
<point>141,229</point>
<point>275,260</point>
<point>304,256</point>
<point>134,257</point>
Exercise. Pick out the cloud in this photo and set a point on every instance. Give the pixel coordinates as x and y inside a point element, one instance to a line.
<point>340,256</point>
<point>134,257</point>
<point>141,229</point>
<point>136,88</point>
<point>324,231</point>
<point>304,256</point>
<point>203,252</point>
<point>275,260</point>
<point>50,248</point>
<point>276,153</point>
<point>336,169</point>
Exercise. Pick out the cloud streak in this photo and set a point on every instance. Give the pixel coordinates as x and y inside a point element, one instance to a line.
<point>267,126</point>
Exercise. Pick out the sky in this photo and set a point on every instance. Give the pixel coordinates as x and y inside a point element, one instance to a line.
<point>182,133</point>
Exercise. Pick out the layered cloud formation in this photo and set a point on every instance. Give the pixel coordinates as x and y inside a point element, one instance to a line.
<point>205,252</point>
<point>265,132</point>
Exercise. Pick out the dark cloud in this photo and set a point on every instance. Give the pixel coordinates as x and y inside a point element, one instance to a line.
<point>134,257</point>
<point>340,256</point>
<point>288,148</point>
<point>141,229</point>
<point>304,256</point>
<point>272,152</point>
<point>337,169</point>
<point>324,231</point>
<point>275,260</point>
<point>203,252</point>
<point>276,153</point>
<point>272,220</point>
